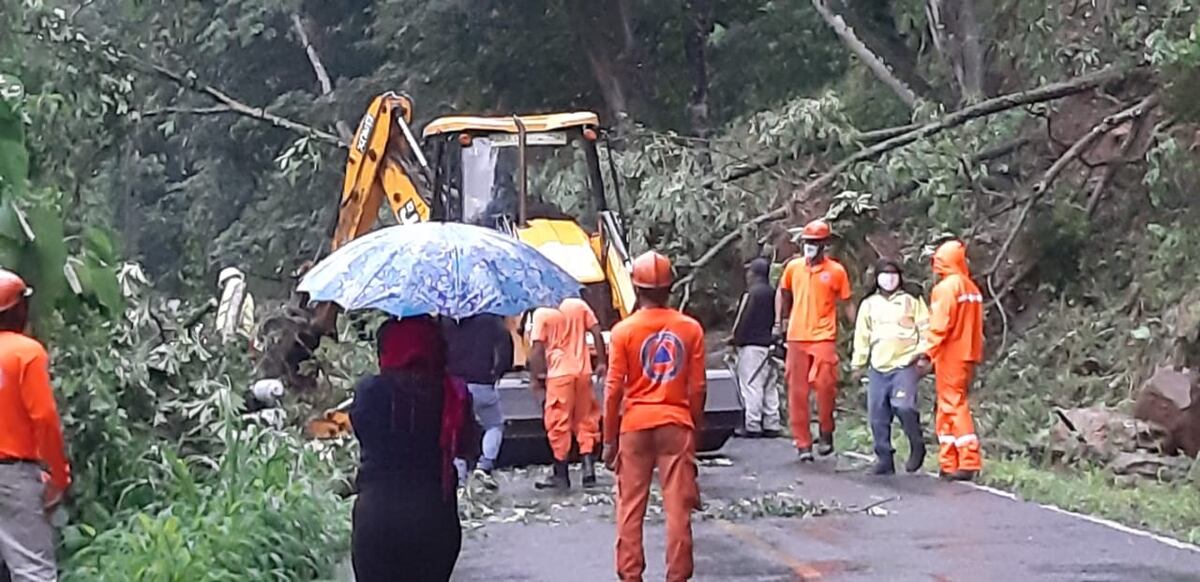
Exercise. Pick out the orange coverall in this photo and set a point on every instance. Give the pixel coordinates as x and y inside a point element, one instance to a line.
<point>955,347</point>
<point>654,399</point>
<point>571,407</point>
<point>812,360</point>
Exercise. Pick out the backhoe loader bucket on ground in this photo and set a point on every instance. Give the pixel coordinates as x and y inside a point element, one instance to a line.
<point>525,436</point>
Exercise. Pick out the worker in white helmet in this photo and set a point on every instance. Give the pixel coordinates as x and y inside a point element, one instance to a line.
<point>235,312</point>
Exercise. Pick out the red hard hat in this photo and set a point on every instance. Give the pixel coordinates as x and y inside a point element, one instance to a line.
<point>12,289</point>
<point>652,271</point>
<point>816,230</point>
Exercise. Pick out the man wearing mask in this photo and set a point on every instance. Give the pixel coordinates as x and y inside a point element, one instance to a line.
<point>752,338</point>
<point>30,438</point>
<point>955,347</point>
<point>888,341</point>
<point>806,310</point>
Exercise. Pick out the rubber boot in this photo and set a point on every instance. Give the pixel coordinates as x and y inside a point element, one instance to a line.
<point>589,471</point>
<point>825,444</point>
<point>910,421</point>
<point>560,479</point>
<point>884,466</point>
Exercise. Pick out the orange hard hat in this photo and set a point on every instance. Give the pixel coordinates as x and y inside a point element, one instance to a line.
<point>816,230</point>
<point>12,289</point>
<point>652,271</point>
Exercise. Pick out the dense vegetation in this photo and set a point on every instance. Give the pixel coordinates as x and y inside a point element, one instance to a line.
<point>174,138</point>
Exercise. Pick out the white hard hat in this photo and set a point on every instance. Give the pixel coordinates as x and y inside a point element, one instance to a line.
<point>229,273</point>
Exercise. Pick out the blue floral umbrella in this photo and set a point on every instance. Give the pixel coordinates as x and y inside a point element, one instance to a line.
<point>449,269</point>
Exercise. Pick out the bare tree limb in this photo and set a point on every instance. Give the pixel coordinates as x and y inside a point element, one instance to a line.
<point>318,67</point>
<point>982,109</point>
<point>61,28</point>
<point>874,62</point>
<point>190,83</point>
<point>1111,169</point>
<point>214,110</point>
<point>1077,149</point>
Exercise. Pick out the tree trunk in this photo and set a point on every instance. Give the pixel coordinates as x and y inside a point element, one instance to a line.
<point>874,61</point>
<point>954,26</point>
<point>605,31</point>
<point>699,15</point>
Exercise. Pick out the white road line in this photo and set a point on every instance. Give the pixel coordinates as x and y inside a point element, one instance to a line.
<point>1172,542</point>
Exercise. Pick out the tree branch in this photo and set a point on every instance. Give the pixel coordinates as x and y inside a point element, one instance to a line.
<point>190,83</point>
<point>55,27</point>
<point>1077,149</point>
<point>319,69</point>
<point>874,62</point>
<point>214,110</point>
<point>982,109</point>
<point>1110,170</point>
<point>751,168</point>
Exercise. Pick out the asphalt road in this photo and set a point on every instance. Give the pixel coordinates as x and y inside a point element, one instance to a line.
<point>905,527</point>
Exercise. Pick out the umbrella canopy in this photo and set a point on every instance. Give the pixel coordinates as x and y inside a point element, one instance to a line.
<point>451,269</point>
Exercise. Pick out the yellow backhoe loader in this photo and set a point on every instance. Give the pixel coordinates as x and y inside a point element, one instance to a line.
<point>495,172</point>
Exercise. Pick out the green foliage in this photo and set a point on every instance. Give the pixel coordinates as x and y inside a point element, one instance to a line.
<point>258,512</point>
<point>1170,509</point>
<point>170,483</point>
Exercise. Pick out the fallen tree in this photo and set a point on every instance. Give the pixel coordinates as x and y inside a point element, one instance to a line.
<point>985,108</point>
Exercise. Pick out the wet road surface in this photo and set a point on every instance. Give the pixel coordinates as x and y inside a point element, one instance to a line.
<point>919,529</point>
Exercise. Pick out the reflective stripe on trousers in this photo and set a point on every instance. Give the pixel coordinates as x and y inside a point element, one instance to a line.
<point>955,427</point>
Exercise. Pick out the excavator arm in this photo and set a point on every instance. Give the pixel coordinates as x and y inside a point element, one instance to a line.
<point>385,163</point>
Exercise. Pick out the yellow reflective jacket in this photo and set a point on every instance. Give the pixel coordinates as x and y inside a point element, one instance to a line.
<point>890,331</point>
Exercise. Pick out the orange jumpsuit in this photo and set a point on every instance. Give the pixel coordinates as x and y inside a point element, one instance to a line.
<point>812,360</point>
<point>571,408</point>
<point>654,399</point>
<point>955,348</point>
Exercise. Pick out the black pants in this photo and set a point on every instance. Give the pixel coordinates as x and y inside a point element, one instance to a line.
<point>404,535</point>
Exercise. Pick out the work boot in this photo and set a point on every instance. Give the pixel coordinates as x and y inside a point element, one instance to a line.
<point>560,479</point>
<point>772,433</point>
<point>589,471</point>
<point>961,475</point>
<point>916,456</point>
<point>747,434</point>
<point>806,455</point>
<point>884,466</point>
<point>825,444</point>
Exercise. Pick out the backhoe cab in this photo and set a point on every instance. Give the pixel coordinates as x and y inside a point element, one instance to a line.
<point>519,175</point>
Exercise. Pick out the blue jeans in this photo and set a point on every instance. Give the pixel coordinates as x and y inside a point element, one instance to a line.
<point>893,393</point>
<point>491,419</point>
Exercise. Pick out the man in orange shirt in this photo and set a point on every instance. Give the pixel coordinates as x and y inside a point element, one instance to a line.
<point>955,342</point>
<point>30,437</point>
<point>562,365</point>
<point>806,307</point>
<point>653,407</point>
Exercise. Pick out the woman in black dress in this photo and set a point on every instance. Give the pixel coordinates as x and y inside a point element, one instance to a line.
<point>411,421</point>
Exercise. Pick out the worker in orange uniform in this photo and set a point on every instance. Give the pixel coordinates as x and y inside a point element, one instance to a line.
<point>806,308</point>
<point>653,408</point>
<point>562,365</point>
<point>30,439</point>
<point>955,347</point>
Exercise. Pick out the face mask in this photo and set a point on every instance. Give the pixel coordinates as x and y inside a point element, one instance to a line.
<point>810,251</point>
<point>888,281</point>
